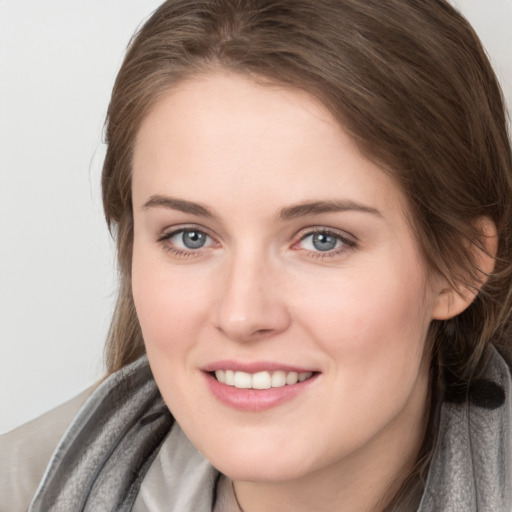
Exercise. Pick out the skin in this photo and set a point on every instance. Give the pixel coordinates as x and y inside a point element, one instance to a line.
<point>259,290</point>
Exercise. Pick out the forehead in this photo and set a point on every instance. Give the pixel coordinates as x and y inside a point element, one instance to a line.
<point>222,134</point>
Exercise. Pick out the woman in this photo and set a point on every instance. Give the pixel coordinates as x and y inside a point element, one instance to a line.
<point>312,205</point>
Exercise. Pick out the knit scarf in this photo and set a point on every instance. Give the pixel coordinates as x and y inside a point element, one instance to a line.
<point>106,452</point>
<point>103,456</point>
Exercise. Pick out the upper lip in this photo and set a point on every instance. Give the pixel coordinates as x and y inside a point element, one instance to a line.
<point>253,366</point>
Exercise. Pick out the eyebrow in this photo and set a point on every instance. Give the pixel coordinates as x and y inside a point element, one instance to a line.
<point>318,207</point>
<point>178,204</point>
<point>287,213</point>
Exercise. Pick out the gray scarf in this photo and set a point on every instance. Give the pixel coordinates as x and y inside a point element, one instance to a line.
<point>103,457</point>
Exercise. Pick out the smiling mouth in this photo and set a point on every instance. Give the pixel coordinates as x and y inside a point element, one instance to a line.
<point>260,380</point>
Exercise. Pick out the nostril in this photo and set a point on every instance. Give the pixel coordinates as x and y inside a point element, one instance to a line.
<point>262,332</point>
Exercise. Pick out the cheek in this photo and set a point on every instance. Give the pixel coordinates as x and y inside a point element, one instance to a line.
<point>373,320</point>
<point>169,305</point>
<point>373,335</point>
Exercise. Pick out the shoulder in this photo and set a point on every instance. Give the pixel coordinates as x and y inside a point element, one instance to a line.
<point>26,451</point>
<point>471,467</point>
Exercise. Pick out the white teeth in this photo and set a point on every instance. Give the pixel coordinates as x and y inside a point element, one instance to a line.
<point>278,379</point>
<point>304,375</point>
<point>243,380</point>
<point>292,378</point>
<point>260,380</point>
<point>230,378</point>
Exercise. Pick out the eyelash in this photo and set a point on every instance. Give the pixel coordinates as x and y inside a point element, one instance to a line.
<point>346,243</point>
<point>164,239</point>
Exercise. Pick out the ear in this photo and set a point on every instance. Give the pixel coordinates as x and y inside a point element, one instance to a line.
<point>452,301</point>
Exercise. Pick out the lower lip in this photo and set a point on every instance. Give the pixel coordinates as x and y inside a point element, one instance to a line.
<point>255,400</point>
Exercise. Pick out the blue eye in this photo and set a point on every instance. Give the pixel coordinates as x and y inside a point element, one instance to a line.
<point>324,242</point>
<point>192,239</point>
<point>186,240</point>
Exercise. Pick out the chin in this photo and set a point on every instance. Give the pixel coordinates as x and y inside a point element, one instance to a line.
<point>268,470</point>
<point>260,461</point>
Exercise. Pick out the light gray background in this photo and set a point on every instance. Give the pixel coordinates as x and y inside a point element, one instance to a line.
<point>58,60</point>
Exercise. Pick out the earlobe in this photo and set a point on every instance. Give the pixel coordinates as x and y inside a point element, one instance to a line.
<point>452,301</point>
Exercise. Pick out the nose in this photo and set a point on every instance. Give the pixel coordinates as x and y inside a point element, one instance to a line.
<point>251,304</point>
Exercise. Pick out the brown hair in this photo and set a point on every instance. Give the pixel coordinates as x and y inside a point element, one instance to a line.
<point>408,79</point>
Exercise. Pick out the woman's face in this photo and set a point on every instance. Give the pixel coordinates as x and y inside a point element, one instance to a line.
<point>268,249</point>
